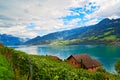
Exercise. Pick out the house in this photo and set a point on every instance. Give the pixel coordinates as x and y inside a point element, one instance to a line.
<point>55,58</point>
<point>83,61</point>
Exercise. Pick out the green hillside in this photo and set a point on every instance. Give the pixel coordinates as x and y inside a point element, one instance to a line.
<point>5,70</point>
<point>35,67</point>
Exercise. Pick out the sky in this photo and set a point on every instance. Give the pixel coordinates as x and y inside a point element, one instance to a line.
<point>31,18</point>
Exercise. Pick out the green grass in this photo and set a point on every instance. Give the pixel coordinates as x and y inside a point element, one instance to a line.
<point>112,37</point>
<point>108,33</point>
<point>105,38</point>
<point>92,38</point>
<point>66,42</point>
<point>6,72</point>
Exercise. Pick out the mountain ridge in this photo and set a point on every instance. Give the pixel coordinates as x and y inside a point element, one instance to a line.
<point>10,40</point>
<point>105,31</point>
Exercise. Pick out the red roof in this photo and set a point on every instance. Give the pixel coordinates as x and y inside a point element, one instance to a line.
<point>55,58</point>
<point>86,60</point>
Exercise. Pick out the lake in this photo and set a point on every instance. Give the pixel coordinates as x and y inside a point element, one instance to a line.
<point>107,55</point>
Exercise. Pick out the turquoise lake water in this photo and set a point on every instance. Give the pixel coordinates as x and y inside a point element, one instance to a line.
<point>107,55</point>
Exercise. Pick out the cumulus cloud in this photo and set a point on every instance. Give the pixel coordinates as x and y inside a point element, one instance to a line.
<point>107,9</point>
<point>91,22</point>
<point>17,15</point>
<point>73,22</point>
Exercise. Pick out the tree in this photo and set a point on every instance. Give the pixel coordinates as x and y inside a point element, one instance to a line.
<point>117,66</point>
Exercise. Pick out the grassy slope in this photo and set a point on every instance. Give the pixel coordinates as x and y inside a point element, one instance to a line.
<point>105,38</point>
<point>108,37</point>
<point>45,68</point>
<point>5,69</point>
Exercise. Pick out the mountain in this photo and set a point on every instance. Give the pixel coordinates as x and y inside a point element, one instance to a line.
<point>10,40</point>
<point>105,32</point>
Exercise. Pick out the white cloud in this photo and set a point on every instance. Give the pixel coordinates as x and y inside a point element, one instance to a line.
<point>44,13</point>
<point>73,22</point>
<point>16,15</point>
<point>108,9</point>
<point>91,22</point>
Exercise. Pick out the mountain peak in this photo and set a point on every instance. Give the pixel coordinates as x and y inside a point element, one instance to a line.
<point>104,21</point>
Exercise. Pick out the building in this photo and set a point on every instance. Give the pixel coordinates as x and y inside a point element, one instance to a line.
<point>55,58</point>
<point>83,61</point>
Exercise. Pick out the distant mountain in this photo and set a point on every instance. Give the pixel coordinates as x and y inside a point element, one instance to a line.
<point>10,40</point>
<point>34,40</point>
<point>105,32</point>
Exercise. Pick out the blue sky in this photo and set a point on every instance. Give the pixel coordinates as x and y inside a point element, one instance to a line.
<point>31,26</point>
<point>81,13</point>
<point>31,18</point>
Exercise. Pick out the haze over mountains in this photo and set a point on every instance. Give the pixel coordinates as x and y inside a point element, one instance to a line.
<point>105,32</point>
